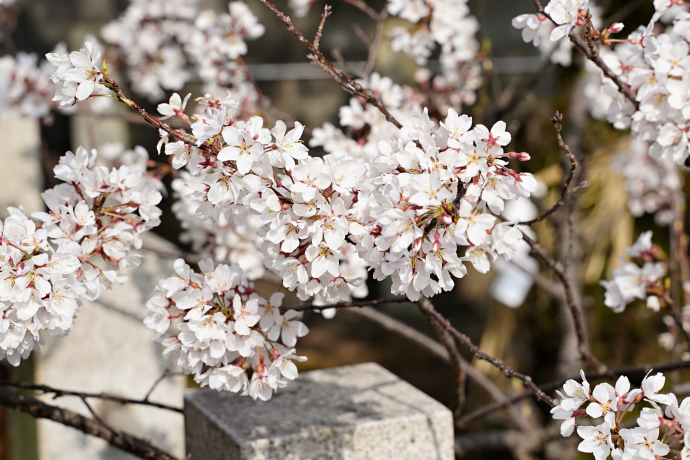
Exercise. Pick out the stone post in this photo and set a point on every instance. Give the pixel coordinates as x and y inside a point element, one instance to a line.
<point>354,412</point>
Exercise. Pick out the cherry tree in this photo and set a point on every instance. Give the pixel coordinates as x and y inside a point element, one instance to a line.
<point>409,189</point>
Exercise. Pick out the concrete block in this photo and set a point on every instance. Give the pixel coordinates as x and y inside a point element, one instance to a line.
<point>354,412</point>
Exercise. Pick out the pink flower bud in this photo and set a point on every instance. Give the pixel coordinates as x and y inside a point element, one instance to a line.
<point>616,27</point>
<point>437,243</point>
<point>522,156</point>
<point>417,245</point>
<point>447,220</point>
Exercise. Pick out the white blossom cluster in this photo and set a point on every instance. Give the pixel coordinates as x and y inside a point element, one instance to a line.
<point>634,282</point>
<point>648,283</point>
<point>566,15</point>
<point>435,190</point>
<point>403,209</point>
<point>25,84</point>
<point>82,245</point>
<point>449,25</point>
<point>78,73</point>
<point>165,44</point>
<point>365,123</point>
<point>657,69</point>
<point>547,35</point>
<point>650,182</point>
<point>646,440</point>
<point>227,335</point>
<point>222,239</point>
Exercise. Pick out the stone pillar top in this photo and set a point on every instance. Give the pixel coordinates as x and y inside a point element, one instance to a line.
<point>351,412</point>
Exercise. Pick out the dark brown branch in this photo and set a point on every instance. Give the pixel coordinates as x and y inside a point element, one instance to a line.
<point>319,31</point>
<point>361,35</point>
<point>375,42</point>
<point>338,75</point>
<point>451,347</point>
<point>184,137</point>
<point>136,446</point>
<point>596,59</point>
<point>58,393</point>
<point>163,376</point>
<point>556,120</point>
<point>612,373</point>
<point>426,306</point>
<point>357,304</point>
<point>570,300</point>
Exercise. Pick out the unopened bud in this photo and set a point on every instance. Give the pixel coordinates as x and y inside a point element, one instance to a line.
<point>416,219</point>
<point>522,156</point>
<point>582,13</point>
<point>446,219</point>
<point>437,243</point>
<point>417,245</point>
<point>580,22</point>
<point>285,206</point>
<point>616,27</point>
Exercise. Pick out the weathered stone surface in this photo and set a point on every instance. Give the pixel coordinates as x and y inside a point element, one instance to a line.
<point>111,350</point>
<point>354,412</point>
<point>20,155</point>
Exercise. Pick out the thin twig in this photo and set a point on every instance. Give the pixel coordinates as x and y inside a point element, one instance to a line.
<point>596,59</point>
<point>375,43</point>
<point>319,31</point>
<point>611,373</point>
<point>361,35</point>
<point>136,446</point>
<point>343,80</point>
<point>57,392</point>
<point>93,412</point>
<point>570,300</point>
<point>426,305</point>
<point>184,137</point>
<point>451,347</point>
<point>680,265</point>
<point>340,59</point>
<point>556,120</point>
<point>163,376</point>
<point>363,7</point>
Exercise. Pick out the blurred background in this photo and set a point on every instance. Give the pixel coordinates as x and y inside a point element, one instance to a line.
<point>517,87</point>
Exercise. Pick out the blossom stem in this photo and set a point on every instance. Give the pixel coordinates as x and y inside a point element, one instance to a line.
<point>184,137</point>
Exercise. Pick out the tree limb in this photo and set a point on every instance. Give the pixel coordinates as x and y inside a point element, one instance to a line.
<point>136,446</point>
